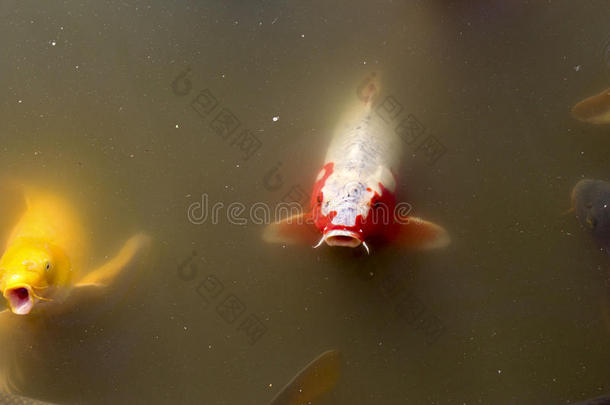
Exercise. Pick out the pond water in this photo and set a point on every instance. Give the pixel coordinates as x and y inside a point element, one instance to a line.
<point>114,104</point>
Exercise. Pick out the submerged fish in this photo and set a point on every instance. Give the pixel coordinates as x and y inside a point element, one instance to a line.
<point>595,401</point>
<point>591,203</point>
<point>11,399</point>
<point>595,109</point>
<point>314,380</point>
<point>353,196</point>
<point>46,253</point>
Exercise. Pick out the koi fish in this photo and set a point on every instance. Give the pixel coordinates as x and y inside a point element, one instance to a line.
<point>595,109</point>
<point>591,204</point>
<point>314,380</point>
<point>353,199</point>
<point>46,252</point>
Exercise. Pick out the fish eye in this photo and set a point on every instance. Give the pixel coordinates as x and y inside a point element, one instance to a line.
<point>47,266</point>
<point>319,199</point>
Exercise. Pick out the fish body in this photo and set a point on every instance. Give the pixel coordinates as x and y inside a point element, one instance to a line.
<point>44,252</point>
<point>47,251</point>
<point>594,109</point>
<point>357,178</point>
<point>353,198</point>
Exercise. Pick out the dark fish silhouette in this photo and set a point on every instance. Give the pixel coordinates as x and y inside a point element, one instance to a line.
<point>591,203</point>
<point>595,401</point>
<point>317,378</point>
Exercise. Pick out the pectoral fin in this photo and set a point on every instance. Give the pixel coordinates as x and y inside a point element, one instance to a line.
<point>103,275</point>
<point>317,378</point>
<point>595,109</point>
<point>294,230</point>
<point>416,233</point>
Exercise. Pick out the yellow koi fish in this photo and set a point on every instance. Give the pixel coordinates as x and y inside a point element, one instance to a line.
<point>47,251</point>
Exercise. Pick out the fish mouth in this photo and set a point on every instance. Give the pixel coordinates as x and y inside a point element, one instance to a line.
<point>20,299</point>
<point>342,238</point>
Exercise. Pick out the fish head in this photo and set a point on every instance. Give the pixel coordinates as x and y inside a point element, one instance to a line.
<point>24,269</point>
<point>347,210</point>
<point>591,203</point>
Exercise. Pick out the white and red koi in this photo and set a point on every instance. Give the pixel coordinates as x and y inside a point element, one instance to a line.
<point>353,196</point>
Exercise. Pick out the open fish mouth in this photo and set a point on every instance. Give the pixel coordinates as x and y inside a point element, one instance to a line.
<point>345,238</point>
<point>20,299</point>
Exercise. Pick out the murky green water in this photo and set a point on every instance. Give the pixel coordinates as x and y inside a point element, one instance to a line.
<point>511,313</point>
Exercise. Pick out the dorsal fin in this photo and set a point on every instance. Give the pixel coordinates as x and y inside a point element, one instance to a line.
<point>315,379</point>
<point>13,204</point>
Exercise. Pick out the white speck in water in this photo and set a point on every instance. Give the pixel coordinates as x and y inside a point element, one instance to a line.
<point>222,75</point>
<point>76,67</point>
<point>20,101</point>
<point>237,166</point>
<point>577,68</point>
<point>302,35</point>
<point>499,371</point>
<point>277,117</point>
<point>177,126</point>
<point>53,43</point>
<point>364,62</point>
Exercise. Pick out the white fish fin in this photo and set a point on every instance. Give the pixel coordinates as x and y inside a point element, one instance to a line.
<point>416,233</point>
<point>295,230</point>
